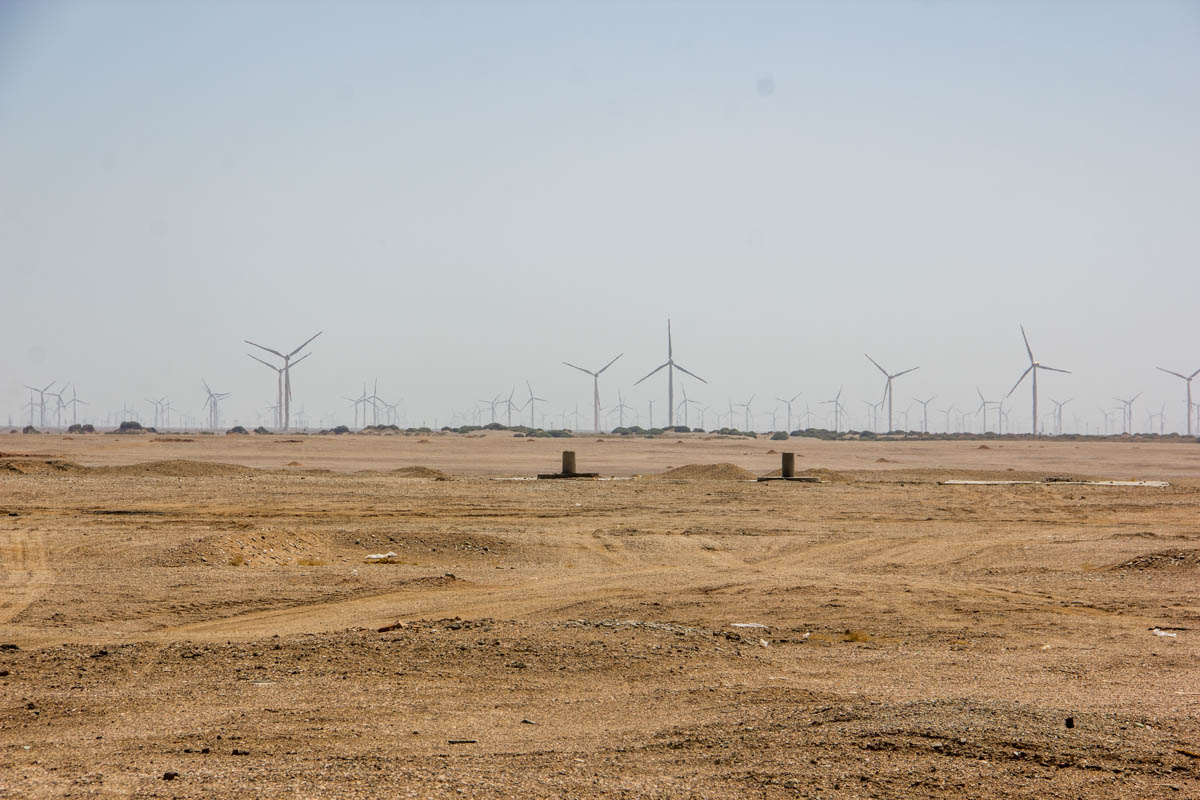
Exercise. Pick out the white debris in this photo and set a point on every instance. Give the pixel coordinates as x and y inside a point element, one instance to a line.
<point>1159,632</point>
<point>379,556</point>
<point>748,625</point>
<point>763,643</point>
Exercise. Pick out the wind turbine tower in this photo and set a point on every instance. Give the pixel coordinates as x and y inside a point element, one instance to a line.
<point>887,390</point>
<point>837,408</point>
<point>671,366</point>
<point>1034,366</point>
<point>595,388</point>
<point>287,375</point>
<point>925,410</point>
<point>531,403</point>
<point>1188,380</point>
<point>788,403</point>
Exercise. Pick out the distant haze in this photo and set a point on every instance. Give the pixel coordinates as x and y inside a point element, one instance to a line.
<point>462,196</point>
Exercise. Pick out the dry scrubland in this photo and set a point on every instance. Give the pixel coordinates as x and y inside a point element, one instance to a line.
<point>187,616</point>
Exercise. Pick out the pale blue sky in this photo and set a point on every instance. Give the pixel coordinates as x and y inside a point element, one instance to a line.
<point>462,195</point>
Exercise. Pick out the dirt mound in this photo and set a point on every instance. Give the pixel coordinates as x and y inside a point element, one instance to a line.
<point>420,472</point>
<point>884,461</point>
<point>709,472</point>
<point>1163,559</point>
<point>171,439</point>
<point>983,447</point>
<point>40,466</point>
<point>175,468</point>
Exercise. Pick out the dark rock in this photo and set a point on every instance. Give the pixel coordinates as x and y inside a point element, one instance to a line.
<point>170,775</point>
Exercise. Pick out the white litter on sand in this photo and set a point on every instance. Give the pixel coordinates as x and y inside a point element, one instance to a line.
<point>1159,632</point>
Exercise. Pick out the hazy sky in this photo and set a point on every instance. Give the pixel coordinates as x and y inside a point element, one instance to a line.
<point>463,195</point>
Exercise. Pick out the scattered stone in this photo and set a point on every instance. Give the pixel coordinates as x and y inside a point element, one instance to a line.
<point>239,752</point>
<point>462,741</point>
<point>9,646</point>
<point>1069,722</point>
<point>170,775</point>
<point>531,722</point>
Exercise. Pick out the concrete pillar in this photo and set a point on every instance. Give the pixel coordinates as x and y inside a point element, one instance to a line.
<point>789,465</point>
<point>568,466</point>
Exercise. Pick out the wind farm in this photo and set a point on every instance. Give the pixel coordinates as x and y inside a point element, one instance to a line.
<point>340,456</point>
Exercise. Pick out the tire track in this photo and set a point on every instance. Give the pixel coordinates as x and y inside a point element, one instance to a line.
<point>26,572</point>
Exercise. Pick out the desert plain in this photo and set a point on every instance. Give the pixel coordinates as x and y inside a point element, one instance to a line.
<point>188,616</point>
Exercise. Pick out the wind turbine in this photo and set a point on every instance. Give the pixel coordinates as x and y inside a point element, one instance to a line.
<point>947,411</point>
<point>983,406</point>
<point>925,409</point>
<point>58,406</point>
<point>509,405</point>
<point>1188,380</point>
<point>1161,415</point>
<point>42,402</point>
<point>356,401</point>
<point>74,403</point>
<point>788,403</point>
<point>746,407</point>
<point>837,408</point>
<point>684,405</point>
<point>887,390</point>
<point>495,401</point>
<point>287,375</point>
<point>1034,366</point>
<point>530,403</point>
<point>873,408</point>
<point>1127,421</point>
<point>279,372</point>
<point>1058,407</point>
<point>620,409</point>
<point>212,404</point>
<point>671,367</point>
<point>595,388</point>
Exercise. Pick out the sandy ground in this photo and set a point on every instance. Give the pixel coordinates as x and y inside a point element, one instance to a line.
<point>192,616</point>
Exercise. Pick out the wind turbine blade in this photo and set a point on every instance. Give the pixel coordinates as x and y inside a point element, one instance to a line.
<point>898,374</point>
<point>298,360</point>
<point>1028,349</point>
<point>1176,374</point>
<point>1194,374</point>
<point>795,396</point>
<point>1054,369</point>
<point>301,347</point>
<point>260,347</point>
<point>202,381</point>
<point>876,363</point>
<point>1135,397</point>
<point>669,352</point>
<point>685,372</point>
<point>1028,370</point>
<point>264,363</point>
<point>581,369</point>
<point>656,369</point>
<point>609,364</point>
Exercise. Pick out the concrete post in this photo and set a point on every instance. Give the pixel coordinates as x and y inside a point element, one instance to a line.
<point>789,465</point>
<point>568,462</point>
